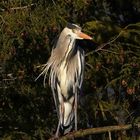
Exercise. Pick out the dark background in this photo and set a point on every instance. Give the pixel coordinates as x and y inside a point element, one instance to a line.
<point>111,88</point>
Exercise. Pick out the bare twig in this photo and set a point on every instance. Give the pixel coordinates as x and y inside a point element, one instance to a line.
<point>105,50</point>
<point>90,65</point>
<point>2,18</point>
<point>103,45</point>
<point>100,48</point>
<point>19,8</point>
<point>23,7</point>
<point>53,2</point>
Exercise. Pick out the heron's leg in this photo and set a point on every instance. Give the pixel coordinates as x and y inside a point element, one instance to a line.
<point>60,116</point>
<point>57,131</point>
<point>75,111</point>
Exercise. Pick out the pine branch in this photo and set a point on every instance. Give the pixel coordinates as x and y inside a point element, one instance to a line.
<point>90,131</point>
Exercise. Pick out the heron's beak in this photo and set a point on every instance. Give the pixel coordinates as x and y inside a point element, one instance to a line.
<point>84,36</point>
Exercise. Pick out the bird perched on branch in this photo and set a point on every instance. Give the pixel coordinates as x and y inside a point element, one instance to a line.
<point>66,67</point>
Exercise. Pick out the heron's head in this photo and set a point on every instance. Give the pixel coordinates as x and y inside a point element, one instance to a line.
<point>75,31</point>
<point>65,45</point>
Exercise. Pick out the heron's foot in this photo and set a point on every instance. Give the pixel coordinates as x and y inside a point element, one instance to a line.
<point>57,133</point>
<point>56,136</point>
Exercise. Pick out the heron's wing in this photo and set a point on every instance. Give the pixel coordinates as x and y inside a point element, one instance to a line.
<point>81,65</point>
<point>56,100</point>
<point>76,68</point>
<point>58,53</point>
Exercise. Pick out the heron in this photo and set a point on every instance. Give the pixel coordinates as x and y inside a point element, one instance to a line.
<point>66,69</point>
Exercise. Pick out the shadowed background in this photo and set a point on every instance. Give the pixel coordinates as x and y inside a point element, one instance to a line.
<point>110,95</point>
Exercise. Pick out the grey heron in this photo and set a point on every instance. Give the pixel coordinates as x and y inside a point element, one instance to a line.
<point>66,67</point>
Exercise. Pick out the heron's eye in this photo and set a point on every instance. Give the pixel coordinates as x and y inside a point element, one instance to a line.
<point>74,31</point>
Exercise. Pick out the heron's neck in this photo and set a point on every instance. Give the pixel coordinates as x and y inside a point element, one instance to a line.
<point>71,50</point>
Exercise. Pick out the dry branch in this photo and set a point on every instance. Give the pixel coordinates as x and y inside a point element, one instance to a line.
<point>90,131</point>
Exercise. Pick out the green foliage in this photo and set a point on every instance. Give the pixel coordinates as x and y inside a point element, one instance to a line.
<point>112,75</point>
